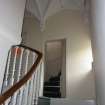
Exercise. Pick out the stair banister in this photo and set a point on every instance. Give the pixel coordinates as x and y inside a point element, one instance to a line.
<point>13,89</point>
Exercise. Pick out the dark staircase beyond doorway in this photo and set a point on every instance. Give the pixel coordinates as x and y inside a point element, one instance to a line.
<point>52,87</point>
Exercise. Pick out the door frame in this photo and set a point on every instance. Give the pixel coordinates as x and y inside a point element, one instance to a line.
<point>63,79</point>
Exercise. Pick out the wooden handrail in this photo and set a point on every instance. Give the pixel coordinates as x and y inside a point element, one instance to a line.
<point>18,85</point>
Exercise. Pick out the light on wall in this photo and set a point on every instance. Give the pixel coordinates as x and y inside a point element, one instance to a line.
<point>87,59</point>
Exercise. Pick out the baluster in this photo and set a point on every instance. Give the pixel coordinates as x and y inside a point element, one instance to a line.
<point>5,84</point>
<point>40,74</point>
<point>35,89</point>
<point>25,93</point>
<point>14,64</point>
<point>41,79</point>
<point>13,73</point>
<point>37,85</point>
<point>20,64</point>
<point>12,76</point>
<point>31,84</point>
<point>19,100</point>
<point>15,97</point>
<point>34,83</point>
<point>21,91</point>
<point>38,82</point>
<point>30,92</point>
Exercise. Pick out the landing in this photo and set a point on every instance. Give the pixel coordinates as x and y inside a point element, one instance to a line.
<point>64,101</point>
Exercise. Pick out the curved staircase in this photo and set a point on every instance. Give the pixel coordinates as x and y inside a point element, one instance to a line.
<point>22,83</point>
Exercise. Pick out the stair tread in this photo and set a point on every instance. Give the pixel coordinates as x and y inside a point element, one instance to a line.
<point>52,86</point>
<point>53,95</point>
<point>52,89</point>
<point>52,83</point>
<point>51,92</point>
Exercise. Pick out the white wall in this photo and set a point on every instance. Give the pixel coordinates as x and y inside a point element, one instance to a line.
<point>31,34</point>
<point>11,19</point>
<point>69,25</point>
<point>4,48</point>
<point>98,44</point>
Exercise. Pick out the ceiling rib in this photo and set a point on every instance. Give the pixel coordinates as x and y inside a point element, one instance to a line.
<point>39,9</point>
<point>49,7</point>
<point>43,21</point>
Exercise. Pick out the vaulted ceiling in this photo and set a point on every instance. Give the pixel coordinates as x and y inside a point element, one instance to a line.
<point>42,9</point>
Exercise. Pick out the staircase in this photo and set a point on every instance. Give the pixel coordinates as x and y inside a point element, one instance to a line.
<point>23,79</point>
<point>22,84</point>
<point>52,87</point>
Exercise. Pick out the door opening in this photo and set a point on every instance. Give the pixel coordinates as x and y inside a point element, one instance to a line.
<point>55,69</point>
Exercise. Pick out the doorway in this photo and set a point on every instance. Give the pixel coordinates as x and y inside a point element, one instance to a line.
<point>55,68</point>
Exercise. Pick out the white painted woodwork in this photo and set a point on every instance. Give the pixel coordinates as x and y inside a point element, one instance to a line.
<point>13,99</point>
<point>30,91</point>
<point>41,79</point>
<point>25,95</point>
<point>19,62</point>
<point>35,92</point>
<point>14,65</point>
<point>18,74</point>
<point>6,77</point>
<point>6,74</point>
<point>31,83</point>
<point>34,84</point>
<point>20,96</point>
